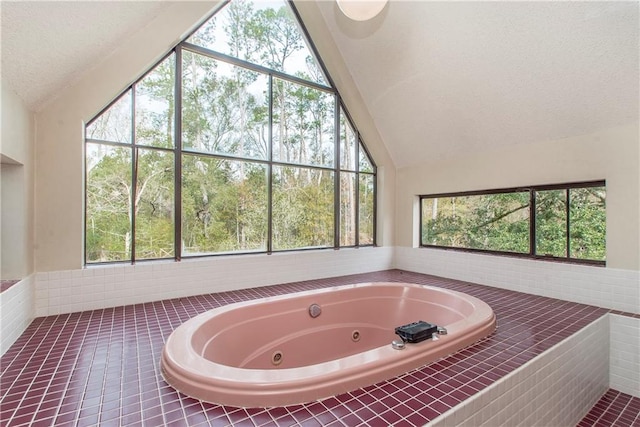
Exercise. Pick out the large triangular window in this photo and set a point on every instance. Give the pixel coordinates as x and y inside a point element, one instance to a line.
<point>236,142</point>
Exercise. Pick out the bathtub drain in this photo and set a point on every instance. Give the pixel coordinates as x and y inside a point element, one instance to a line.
<point>276,358</point>
<point>355,336</point>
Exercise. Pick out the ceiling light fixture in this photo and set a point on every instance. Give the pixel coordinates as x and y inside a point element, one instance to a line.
<point>361,10</point>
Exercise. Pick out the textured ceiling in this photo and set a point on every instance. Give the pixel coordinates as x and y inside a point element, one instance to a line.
<point>47,45</point>
<point>444,78</point>
<point>438,78</point>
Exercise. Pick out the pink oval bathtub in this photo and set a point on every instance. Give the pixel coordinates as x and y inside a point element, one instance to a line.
<point>272,352</point>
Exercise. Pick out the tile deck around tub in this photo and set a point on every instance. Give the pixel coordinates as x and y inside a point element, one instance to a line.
<point>101,367</point>
<point>6,284</point>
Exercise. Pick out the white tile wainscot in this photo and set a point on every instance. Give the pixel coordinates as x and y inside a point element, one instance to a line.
<point>16,311</point>
<point>97,287</point>
<point>599,286</point>
<point>624,358</point>
<point>557,388</point>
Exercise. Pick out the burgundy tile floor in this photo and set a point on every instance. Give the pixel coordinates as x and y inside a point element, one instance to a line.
<point>6,284</point>
<point>614,409</point>
<point>101,367</point>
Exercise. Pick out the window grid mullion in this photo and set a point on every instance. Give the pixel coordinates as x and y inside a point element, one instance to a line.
<point>134,176</point>
<point>357,195</point>
<point>568,221</point>
<point>218,56</point>
<point>177,146</point>
<point>532,223</point>
<point>270,171</point>
<point>375,202</point>
<point>336,178</point>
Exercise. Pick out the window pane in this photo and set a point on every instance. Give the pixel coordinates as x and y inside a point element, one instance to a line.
<point>115,123</point>
<point>224,205</point>
<point>302,208</point>
<point>587,216</point>
<point>225,108</point>
<point>154,204</point>
<point>551,223</point>
<point>498,222</point>
<point>347,209</point>
<point>155,106</point>
<point>108,192</point>
<point>262,32</point>
<point>303,124</point>
<point>365,163</point>
<point>348,143</point>
<point>367,209</point>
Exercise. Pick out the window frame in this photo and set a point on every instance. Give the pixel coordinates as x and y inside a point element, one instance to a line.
<point>532,190</point>
<point>178,150</point>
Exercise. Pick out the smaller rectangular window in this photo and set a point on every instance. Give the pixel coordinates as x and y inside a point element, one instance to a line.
<point>564,222</point>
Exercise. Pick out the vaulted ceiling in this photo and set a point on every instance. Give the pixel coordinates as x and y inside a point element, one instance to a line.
<point>438,78</point>
<point>443,78</point>
<point>48,45</point>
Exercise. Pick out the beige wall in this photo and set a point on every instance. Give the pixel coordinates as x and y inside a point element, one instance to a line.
<point>611,154</point>
<point>16,187</point>
<point>59,142</point>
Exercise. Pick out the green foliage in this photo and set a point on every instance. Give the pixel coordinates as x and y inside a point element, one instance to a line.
<point>108,192</point>
<point>492,222</point>
<point>302,208</point>
<point>551,223</point>
<point>155,106</point>
<point>223,205</point>
<point>366,209</point>
<point>154,204</point>
<point>303,131</point>
<point>500,222</point>
<point>587,215</point>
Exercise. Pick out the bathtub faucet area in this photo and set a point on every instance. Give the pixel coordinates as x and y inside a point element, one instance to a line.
<point>315,310</point>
